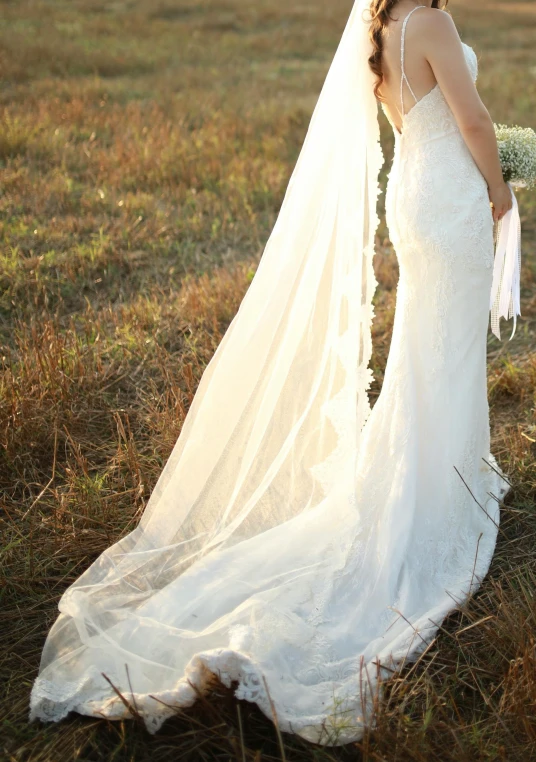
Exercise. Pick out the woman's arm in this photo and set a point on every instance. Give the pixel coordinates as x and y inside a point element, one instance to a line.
<point>444,52</point>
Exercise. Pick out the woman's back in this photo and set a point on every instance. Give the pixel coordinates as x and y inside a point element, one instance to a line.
<point>418,71</point>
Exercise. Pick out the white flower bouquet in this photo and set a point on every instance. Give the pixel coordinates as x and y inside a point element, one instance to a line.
<point>517,152</point>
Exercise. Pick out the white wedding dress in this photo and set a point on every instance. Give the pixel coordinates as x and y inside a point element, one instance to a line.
<point>302,615</point>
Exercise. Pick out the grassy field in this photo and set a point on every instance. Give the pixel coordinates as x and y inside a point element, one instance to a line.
<point>145,146</point>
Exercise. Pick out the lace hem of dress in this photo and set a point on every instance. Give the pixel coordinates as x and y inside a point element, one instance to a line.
<point>343,723</point>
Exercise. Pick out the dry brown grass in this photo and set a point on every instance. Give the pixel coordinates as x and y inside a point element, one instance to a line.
<point>144,151</point>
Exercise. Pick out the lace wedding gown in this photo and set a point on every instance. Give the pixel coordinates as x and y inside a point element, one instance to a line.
<point>309,615</point>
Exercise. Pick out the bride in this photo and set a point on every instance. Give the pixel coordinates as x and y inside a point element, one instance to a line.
<point>297,544</point>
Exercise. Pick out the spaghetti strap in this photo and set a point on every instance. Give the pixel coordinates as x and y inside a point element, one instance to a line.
<point>403,73</point>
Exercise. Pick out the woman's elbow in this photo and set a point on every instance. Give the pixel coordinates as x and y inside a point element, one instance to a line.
<point>476,123</point>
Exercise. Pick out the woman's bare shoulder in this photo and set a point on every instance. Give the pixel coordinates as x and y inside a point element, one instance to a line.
<point>434,27</point>
<point>433,20</point>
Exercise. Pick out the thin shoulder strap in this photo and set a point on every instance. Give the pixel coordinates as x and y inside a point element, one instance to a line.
<point>403,77</point>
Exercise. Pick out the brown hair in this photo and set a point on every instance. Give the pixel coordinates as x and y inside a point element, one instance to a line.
<point>380,13</point>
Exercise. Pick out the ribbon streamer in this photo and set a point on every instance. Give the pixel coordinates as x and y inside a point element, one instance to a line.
<point>505,298</point>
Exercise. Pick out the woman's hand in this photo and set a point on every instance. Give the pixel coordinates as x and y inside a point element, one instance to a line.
<point>501,200</point>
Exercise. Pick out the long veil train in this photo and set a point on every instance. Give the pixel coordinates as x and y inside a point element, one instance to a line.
<point>244,561</point>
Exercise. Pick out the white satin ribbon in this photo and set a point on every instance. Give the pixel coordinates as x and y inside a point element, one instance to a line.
<point>505,298</point>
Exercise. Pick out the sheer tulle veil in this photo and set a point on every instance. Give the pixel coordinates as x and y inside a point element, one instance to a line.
<point>286,391</point>
<point>276,421</point>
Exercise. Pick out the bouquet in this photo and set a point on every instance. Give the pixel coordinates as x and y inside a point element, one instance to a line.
<point>517,152</point>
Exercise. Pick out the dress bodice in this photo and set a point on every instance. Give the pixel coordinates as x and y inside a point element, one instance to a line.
<point>434,178</point>
<point>431,116</point>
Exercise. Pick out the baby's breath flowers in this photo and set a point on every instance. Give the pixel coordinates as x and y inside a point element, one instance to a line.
<point>517,152</point>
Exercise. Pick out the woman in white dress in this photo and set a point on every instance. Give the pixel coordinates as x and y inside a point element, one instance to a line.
<point>297,544</point>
